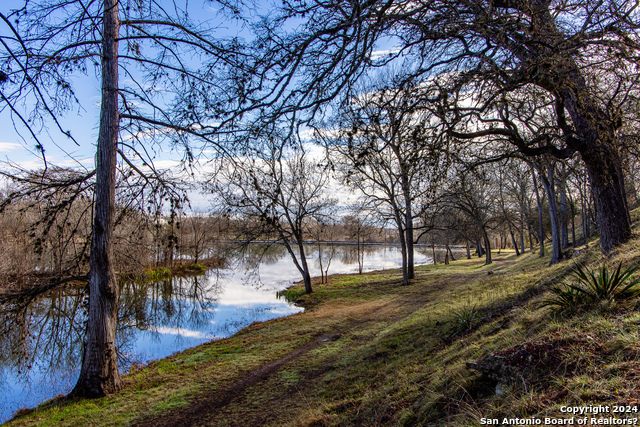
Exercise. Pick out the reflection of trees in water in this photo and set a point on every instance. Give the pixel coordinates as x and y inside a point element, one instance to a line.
<point>255,254</point>
<point>181,303</point>
<point>249,258</point>
<point>349,254</point>
<point>49,331</point>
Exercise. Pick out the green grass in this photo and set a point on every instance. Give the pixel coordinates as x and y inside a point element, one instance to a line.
<point>157,273</point>
<point>589,290</point>
<point>398,354</point>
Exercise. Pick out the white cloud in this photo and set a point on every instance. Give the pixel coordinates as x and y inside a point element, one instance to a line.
<point>5,147</point>
<point>184,332</point>
<point>382,53</point>
<point>72,163</point>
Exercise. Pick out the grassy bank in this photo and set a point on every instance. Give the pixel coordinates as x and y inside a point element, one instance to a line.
<point>369,351</point>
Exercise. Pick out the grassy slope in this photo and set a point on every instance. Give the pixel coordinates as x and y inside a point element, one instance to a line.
<point>390,355</point>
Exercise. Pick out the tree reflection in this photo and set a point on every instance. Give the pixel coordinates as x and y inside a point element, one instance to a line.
<point>48,332</point>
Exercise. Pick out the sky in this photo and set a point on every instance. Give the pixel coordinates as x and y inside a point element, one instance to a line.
<point>16,145</point>
<point>18,148</point>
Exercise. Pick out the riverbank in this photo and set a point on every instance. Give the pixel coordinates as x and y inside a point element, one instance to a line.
<point>369,351</point>
<point>35,283</point>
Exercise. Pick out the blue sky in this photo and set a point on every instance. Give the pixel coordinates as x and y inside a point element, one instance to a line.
<point>16,145</point>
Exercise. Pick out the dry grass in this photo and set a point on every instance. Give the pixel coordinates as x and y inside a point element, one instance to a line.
<point>395,356</point>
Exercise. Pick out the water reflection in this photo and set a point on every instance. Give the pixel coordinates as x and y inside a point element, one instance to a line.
<point>40,344</point>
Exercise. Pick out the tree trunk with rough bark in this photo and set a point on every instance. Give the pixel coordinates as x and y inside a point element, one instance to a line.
<point>513,238</point>
<point>409,242</point>
<point>540,213</point>
<point>607,187</point>
<point>487,244</point>
<point>547,182</point>
<point>564,210</point>
<point>99,374</point>
<point>403,249</point>
<point>306,277</point>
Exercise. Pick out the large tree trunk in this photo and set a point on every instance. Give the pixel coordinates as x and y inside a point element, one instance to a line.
<point>99,372</point>
<point>479,248</point>
<point>564,210</point>
<point>409,242</point>
<point>403,249</point>
<point>305,267</point>
<point>600,155</point>
<point>607,186</point>
<point>594,127</point>
<point>408,219</point>
<point>513,238</point>
<point>487,244</point>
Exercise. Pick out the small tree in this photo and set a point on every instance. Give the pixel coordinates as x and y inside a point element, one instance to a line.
<point>276,191</point>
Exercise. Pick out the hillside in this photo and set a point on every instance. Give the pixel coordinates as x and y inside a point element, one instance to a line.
<point>369,351</point>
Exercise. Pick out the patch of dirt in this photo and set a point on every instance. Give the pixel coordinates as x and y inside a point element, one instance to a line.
<point>208,403</point>
<point>535,362</point>
<point>205,407</point>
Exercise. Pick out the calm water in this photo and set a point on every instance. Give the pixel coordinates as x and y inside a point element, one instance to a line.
<point>40,352</point>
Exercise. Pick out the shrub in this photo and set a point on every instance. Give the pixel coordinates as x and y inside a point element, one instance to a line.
<point>158,273</point>
<point>464,320</point>
<point>291,294</point>
<point>591,289</point>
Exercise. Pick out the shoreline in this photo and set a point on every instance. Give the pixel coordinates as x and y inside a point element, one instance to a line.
<point>369,351</point>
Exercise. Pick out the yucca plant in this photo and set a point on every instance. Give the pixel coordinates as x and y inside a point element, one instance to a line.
<point>465,319</point>
<point>606,286</point>
<point>593,288</point>
<point>565,298</point>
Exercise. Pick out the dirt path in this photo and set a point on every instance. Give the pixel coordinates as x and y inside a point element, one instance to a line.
<point>207,403</point>
<point>209,408</point>
<point>204,407</point>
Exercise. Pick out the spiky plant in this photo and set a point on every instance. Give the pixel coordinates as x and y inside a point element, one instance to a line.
<point>464,320</point>
<point>592,288</point>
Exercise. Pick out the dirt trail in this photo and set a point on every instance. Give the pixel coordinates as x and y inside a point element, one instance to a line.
<point>208,403</point>
<point>204,406</point>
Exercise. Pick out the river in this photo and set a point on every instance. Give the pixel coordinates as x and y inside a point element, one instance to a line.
<point>40,355</point>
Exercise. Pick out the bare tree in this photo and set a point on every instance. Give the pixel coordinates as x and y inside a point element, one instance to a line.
<point>389,148</point>
<point>46,43</point>
<point>277,192</point>
<point>546,173</point>
<point>475,198</point>
<point>579,55</point>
